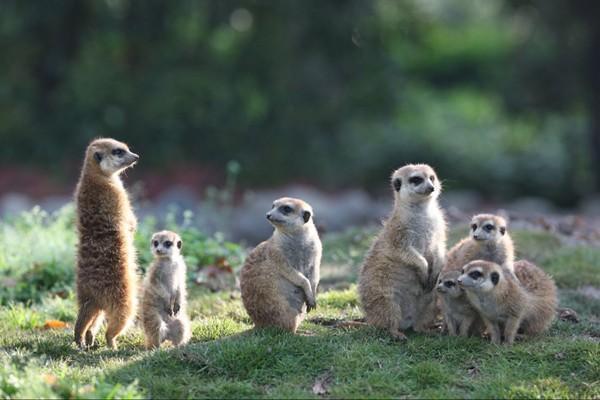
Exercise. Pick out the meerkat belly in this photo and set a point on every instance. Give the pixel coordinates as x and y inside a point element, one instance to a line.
<point>293,295</point>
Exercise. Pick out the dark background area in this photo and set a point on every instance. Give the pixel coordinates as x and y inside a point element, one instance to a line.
<point>501,97</point>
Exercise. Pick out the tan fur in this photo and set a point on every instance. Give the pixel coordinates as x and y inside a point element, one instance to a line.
<point>401,268</point>
<point>460,317</point>
<point>527,300</point>
<point>106,258</point>
<point>280,276</point>
<point>493,246</point>
<point>164,299</point>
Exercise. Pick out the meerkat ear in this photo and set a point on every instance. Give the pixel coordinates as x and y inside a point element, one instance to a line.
<point>306,216</point>
<point>495,278</point>
<point>397,184</point>
<point>502,230</point>
<point>98,156</point>
<point>179,244</point>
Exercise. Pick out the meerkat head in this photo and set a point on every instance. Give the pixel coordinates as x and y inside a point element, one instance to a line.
<point>166,244</point>
<point>289,214</point>
<point>415,183</point>
<point>110,156</point>
<point>488,227</point>
<point>448,285</point>
<point>480,276</point>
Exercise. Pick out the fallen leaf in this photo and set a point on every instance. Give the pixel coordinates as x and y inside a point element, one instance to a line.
<point>49,379</point>
<point>567,314</point>
<point>321,385</point>
<point>55,324</point>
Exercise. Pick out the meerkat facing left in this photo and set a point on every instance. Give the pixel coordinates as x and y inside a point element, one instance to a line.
<point>460,316</point>
<point>400,270</point>
<point>280,276</point>
<point>506,301</point>
<point>164,298</point>
<point>489,240</point>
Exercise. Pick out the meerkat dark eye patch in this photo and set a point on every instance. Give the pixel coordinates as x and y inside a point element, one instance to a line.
<point>495,278</point>
<point>179,244</point>
<point>448,284</point>
<point>306,216</point>
<point>397,184</point>
<point>286,209</point>
<point>475,274</point>
<point>416,180</point>
<point>502,230</point>
<point>155,243</point>
<point>489,227</point>
<point>168,244</point>
<point>98,156</point>
<point>118,152</point>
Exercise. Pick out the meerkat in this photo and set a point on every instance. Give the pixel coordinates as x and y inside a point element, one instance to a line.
<point>106,257</point>
<point>400,270</point>
<point>489,240</point>
<point>164,298</point>
<point>508,302</point>
<point>460,316</point>
<point>280,276</point>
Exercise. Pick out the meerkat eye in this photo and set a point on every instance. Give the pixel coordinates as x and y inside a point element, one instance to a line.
<point>416,180</point>
<point>475,274</point>
<point>286,209</point>
<point>489,227</point>
<point>118,152</point>
<point>155,243</point>
<point>168,244</point>
<point>474,226</point>
<point>432,178</point>
<point>449,284</point>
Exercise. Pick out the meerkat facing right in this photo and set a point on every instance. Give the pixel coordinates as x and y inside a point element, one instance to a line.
<point>489,240</point>
<point>280,276</point>
<point>506,301</point>
<point>164,298</point>
<point>400,270</point>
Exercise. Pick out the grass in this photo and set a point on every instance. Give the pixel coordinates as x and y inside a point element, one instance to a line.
<point>227,359</point>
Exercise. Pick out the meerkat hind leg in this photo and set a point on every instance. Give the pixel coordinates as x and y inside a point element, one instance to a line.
<point>117,322</point>
<point>90,335</point>
<point>87,314</point>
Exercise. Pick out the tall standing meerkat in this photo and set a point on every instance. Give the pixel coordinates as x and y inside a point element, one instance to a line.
<point>506,301</point>
<point>106,258</point>
<point>460,317</point>
<point>280,276</point>
<point>489,240</point>
<point>401,268</point>
<point>164,299</point>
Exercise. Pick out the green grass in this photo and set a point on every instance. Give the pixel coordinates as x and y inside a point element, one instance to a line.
<point>227,359</point>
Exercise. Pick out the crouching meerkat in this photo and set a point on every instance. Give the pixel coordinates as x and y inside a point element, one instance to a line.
<point>460,317</point>
<point>506,301</point>
<point>106,258</point>
<point>164,297</point>
<point>280,276</point>
<point>489,240</point>
<point>400,270</point>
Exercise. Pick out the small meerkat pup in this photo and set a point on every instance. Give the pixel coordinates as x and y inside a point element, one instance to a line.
<point>280,276</point>
<point>400,270</point>
<point>506,301</point>
<point>106,257</point>
<point>489,240</point>
<point>164,299</point>
<point>460,316</point>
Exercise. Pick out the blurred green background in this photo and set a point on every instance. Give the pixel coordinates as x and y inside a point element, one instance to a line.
<point>501,96</point>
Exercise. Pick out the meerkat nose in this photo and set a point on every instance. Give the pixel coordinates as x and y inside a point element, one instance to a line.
<point>135,156</point>
<point>268,216</point>
<point>459,281</point>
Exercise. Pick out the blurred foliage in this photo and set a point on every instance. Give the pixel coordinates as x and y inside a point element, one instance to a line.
<point>39,252</point>
<point>493,93</point>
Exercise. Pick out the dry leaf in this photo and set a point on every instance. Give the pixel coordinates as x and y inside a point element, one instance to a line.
<point>55,324</point>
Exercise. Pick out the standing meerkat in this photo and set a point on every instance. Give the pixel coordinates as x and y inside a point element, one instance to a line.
<point>489,240</point>
<point>106,258</point>
<point>280,276</point>
<point>506,301</point>
<point>164,298</point>
<point>401,268</point>
<point>460,316</point>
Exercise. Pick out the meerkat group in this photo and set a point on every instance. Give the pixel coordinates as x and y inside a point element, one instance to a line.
<point>406,279</point>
